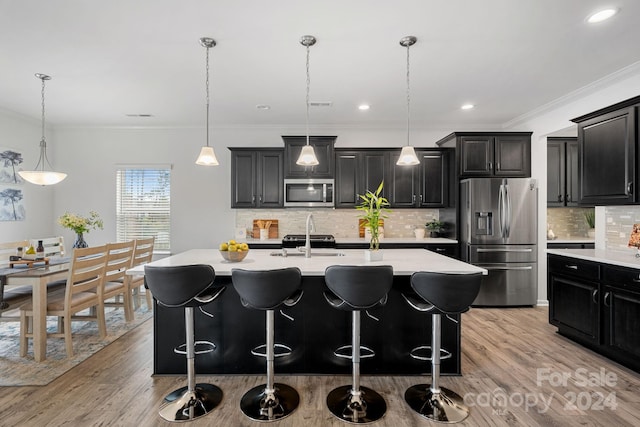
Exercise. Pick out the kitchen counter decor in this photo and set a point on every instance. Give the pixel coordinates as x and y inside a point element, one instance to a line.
<point>81,225</point>
<point>374,208</point>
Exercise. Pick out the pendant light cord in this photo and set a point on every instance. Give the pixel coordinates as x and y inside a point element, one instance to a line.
<point>307,98</point>
<point>408,96</point>
<point>207,90</point>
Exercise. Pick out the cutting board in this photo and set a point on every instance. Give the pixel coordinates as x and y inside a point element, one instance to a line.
<point>361,226</point>
<point>273,230</point>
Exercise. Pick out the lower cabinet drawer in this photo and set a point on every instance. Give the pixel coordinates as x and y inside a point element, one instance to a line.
<point>574,267</point>
<point>628,278</point>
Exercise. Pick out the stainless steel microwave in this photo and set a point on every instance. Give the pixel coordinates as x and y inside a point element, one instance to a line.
<point>308,193</point>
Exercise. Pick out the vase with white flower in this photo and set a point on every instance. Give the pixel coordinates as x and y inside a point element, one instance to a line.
<point>80,225</point>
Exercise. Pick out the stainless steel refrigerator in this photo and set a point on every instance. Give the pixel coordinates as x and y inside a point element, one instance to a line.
<point>498,228</point>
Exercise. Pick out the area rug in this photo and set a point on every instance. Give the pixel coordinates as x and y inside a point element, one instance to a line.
<point>23,371</point>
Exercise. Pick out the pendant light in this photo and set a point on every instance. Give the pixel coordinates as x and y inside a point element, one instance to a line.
<point>39,175</point>
<point>307,155</point>
<point>408,154</point>
<point>207,156</point>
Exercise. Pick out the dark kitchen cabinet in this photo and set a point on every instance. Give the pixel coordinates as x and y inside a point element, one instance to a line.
<point>359,171</point>
<point>257,178</point>
<point>323,147</point>
<point>562,172</point>
<point>608,162</point>
<point>427,185</point>
<point>621,313</point>
<point>574,296</point>
<point>489,154</point>
<point>597,305</point>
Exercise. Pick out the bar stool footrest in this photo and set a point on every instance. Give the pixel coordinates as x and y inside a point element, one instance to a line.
<point>207,347</point>
<point>345,352</point>
<point>261,350</point>
<point>423,352</point>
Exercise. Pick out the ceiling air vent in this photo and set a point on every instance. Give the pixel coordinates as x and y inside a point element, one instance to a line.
<point>320,104</point>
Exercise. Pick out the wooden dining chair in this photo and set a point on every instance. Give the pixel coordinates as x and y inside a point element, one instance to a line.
<point>142,254</point>
<point>11,299</point>
<point>118,261</point>
<point>84,290</point>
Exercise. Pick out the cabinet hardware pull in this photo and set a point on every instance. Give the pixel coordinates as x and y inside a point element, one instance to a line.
<point>629,188</point>
<point>567,198</point>
<point>441,250</point>
<point>497,166</point>
<point>489,165</point>
<point>636,280</point>
<point>253,199</point>
<point>573,267</point>
<point>594,296</point>
<point>607,295</point>
<point>413,198</point>
<point>504,250</point>
<point>559,197</point>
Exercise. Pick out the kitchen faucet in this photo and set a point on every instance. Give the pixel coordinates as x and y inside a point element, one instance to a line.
<point>310,226</point>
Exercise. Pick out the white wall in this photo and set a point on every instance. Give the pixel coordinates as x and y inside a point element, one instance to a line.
<point>23,135</point>
<point>601,94</point>
<point>200,196</point>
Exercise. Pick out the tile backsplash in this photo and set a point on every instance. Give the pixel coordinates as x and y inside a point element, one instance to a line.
<point>619,222</point>
<point>339,222</point>
<point>567,223</point>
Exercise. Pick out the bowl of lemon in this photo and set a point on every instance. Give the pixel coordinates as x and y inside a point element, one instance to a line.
<point>233,251</point>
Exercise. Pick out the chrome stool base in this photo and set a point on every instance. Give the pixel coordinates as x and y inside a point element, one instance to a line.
<point>191,404</point>
<point>423,352</point>
<point>259,405</point>
<point>346,352</point>
<point>444,407</point>
<point>344,405</point>
<point>261,350</point>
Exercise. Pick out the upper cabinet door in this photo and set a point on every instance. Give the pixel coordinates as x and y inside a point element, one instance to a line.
<point>555,173</point>
<point>347,178</point>
<point>572,195</point>
<point>323,147</point>
<point>607,145</point>
<point>434,179</point>
<point>375,169</point>
<point>512,156</point>
<point>270,179</point>
<point>243,179</point>
<point>404,189</point>
<point>476,155</point>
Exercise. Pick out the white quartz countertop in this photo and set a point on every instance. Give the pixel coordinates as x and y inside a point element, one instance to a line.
<point>404,261</point>
<point>571,240</point>
<point>351,240</point>
<point>620,258</point>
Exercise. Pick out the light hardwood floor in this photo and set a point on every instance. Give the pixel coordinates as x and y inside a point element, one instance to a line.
<point>512,360</point>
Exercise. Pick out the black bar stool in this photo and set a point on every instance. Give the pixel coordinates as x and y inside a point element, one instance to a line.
<point>357,288</point>
<point>444,294</point>
<point>187,286</point>
<point>267,290</point>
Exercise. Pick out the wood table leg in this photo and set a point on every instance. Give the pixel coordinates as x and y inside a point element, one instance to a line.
<point>40,321</point>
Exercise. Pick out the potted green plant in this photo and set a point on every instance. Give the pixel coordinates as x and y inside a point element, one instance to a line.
<point>374,208</point>
<point>435,227</point>
<point>590,218</point>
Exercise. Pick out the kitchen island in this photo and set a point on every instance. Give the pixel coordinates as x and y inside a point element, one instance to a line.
<point>316,329</point>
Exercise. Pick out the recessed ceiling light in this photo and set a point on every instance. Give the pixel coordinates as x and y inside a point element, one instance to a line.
<point>263,107</point>
<point>364,107</point>
<point>601,15</point>
<point>467,106</point>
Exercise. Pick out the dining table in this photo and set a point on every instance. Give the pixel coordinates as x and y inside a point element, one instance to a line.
<point>37,277</point>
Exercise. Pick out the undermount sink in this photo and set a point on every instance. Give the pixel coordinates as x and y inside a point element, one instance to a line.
<point>287,253</point>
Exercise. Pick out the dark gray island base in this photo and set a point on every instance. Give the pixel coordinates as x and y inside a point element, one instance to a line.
<point>316,331</point>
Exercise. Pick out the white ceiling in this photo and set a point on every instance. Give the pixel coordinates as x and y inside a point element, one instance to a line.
<point>118,57</point>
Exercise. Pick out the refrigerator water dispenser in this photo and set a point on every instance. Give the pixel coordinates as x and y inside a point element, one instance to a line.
<point>484,224</point>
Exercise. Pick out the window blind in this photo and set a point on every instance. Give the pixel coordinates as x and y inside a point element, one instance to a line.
<point>143,205</point>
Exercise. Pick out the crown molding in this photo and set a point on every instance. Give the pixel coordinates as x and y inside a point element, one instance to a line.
<point>590,89</point>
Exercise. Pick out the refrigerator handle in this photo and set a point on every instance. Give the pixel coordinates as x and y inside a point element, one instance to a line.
<point>501,210</point>
<point>508,216</point>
